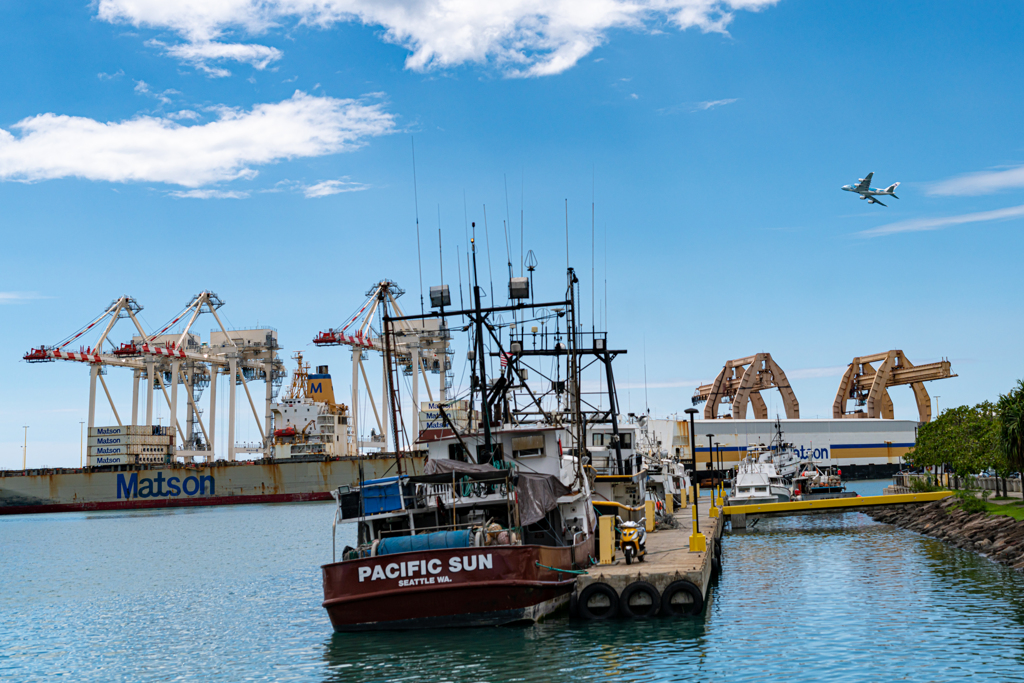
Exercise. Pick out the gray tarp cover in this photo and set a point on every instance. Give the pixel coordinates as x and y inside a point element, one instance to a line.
<point>538,493</point>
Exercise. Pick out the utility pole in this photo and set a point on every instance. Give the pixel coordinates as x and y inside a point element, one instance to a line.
<point>24,451</point>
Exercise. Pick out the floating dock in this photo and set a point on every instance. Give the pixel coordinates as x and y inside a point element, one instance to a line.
<point>671,581</point>
<point>740,515</point>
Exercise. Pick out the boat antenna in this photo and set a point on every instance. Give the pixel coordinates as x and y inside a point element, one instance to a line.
<point>458,264</point>
<point>647,405</point>
<point>593,248</point>
<point>566,234</point>
<point>416,203</point>
<point>490,273</point>
<point>522,199</point>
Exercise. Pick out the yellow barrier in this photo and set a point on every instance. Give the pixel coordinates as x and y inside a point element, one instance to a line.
<point>669,503</point>
<point>834,503</point>
<point>649,515</point>
<point>606,539</point>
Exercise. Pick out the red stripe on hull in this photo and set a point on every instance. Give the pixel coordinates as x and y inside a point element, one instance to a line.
<point>166,503</point>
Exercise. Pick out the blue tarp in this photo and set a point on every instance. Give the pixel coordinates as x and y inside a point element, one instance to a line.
<point>433,541</point>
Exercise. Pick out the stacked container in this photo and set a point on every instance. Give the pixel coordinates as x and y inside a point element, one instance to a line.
<point>130,444</point>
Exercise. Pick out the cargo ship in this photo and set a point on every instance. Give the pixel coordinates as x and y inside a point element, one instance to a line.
<point>137,466</point>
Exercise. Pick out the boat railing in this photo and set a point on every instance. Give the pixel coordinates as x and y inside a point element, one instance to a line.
<point>476,491</point>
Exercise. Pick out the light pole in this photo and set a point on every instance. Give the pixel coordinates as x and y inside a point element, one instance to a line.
<point>24,451</point>
<point>721,469</point>
<point>937,411</point>
<point>81,446</point>
<point>698,544</point>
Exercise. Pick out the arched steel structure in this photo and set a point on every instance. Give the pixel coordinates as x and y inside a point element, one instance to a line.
<point>868,387</point>
<point>741,381</point>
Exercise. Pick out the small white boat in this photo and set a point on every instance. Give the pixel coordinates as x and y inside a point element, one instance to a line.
<point>758,482</point>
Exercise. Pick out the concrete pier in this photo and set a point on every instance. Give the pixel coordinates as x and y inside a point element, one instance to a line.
<point>671,581</point>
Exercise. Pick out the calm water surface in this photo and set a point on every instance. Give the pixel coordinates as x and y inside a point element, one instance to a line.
<point>233,594</point>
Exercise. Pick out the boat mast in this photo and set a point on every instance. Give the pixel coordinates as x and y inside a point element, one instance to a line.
<point>481,364</point>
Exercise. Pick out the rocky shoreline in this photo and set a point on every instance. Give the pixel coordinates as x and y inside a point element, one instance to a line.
<point>997,537</point>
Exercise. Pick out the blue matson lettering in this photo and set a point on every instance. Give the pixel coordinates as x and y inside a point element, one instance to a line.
<point>154,487</point>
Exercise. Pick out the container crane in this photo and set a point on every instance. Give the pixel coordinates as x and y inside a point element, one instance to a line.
<point>175,359</point>
<point>419,346</point>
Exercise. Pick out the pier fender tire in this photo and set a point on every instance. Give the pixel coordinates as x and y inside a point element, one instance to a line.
<point>671,609</point>
<point>716,564</point>
<point>594,589</point>
<point>629,611</point>
<point>574,605</point>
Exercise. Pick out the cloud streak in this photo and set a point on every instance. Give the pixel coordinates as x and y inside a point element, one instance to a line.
<point>925,224</point>
<point>159,149</point>
<point>328,187</point>
<point>19,297</point>
<point>522,38</point>
<point>973,184</point>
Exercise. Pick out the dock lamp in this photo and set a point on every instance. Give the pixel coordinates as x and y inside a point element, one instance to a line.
<point>713,511</point>
<point>698,544</point>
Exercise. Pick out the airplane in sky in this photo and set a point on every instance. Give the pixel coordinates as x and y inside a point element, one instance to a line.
<point>864,189</point>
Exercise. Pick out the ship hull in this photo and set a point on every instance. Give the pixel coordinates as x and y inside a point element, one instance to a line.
<point>457,587</point>
<point>173,486</point>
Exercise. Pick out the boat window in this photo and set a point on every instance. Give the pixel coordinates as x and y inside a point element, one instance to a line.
<point>598,439</point>
<point>762,489</point>
<point>627,439</point>
<point>527,446</point>
<point>481,454</point>
<point>457,452</point>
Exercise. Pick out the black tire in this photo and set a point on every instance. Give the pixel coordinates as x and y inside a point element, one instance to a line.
<point>601,613</point>
<point>641,557</point>
<point>673,606</point>
<point>574,606</point>
<point>629,557</point>
<point>641,610</point>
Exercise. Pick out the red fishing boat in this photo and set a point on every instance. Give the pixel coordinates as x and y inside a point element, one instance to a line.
<point>501,522</point>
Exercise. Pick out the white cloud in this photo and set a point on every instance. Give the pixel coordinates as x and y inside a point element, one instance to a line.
<point>103,76</point>
<point>696,106</point>
<point>326,188</point>
<point>158,149</point>
<point>199,54</point>
<point>18,297</point>
<point>704,106</point>
<point>142,88</point>
<point>987,182</point>
<point>521,37</point>
<point>185,115</point>
<point>921,224</point>
<point>209,194</point>
<point>814,373</point>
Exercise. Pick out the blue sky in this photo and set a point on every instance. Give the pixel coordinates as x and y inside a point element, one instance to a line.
<point>263,151</point>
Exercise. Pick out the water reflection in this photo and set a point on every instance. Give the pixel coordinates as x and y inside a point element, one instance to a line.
<point>234,594</point>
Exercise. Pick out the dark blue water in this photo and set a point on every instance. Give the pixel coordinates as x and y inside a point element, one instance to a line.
<point>233,594</point>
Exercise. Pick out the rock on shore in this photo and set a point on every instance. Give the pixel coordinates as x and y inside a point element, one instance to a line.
<point>997,537</point>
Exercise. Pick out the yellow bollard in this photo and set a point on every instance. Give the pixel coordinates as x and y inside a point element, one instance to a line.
<point>698,544</point>
<point>606,539</point>
<point>649,515</point>
<point>669,503</point>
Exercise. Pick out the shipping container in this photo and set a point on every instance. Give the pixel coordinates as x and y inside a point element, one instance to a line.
<point>127,430</point>
<point>100,460</point>
<point>126,439</point>
<point>130,449</point>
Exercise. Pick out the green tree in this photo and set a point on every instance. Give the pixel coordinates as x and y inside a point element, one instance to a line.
<point>965,438</point>
<point>1011,433</point>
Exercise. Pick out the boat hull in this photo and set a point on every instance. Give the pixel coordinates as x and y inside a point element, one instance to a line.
<point>171,486</point>
<point>455,587</point>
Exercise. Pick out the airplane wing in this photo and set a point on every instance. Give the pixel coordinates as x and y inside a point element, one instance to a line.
<point>865,183</point>
<point>875,201</point>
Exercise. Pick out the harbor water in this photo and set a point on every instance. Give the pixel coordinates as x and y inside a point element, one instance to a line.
<point>233,593</point>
